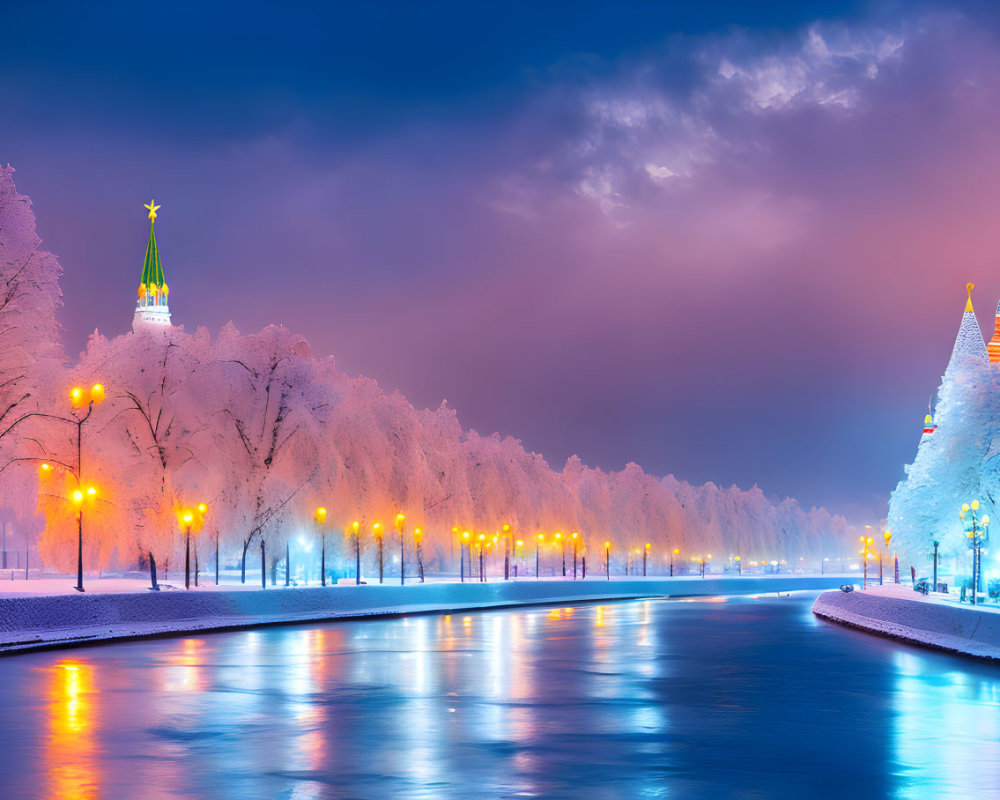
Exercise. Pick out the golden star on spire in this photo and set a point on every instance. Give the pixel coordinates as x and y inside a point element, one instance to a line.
<point>152,209</point>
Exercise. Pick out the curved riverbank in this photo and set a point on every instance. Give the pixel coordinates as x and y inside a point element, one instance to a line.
<point>901,614</point>
<point>69,620</point>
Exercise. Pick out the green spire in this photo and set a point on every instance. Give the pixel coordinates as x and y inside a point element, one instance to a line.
<point>152,270</point>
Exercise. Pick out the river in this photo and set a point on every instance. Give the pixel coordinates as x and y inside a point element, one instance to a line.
<point>718,698</point>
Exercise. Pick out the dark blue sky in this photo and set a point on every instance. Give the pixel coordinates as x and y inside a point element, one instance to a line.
<point>724,240</point>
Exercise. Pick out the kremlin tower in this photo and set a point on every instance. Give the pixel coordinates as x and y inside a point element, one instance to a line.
<point>151,310</point>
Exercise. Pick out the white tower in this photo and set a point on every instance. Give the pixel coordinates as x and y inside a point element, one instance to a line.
<point>151,310</point>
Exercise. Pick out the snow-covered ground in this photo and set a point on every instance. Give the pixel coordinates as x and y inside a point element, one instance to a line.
<point>937,620</point>
<point>63,617</point>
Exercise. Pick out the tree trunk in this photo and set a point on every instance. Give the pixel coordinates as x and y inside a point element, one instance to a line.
<point>152,574</point>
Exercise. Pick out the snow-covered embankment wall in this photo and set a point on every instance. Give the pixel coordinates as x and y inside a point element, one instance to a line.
<point>965,629</point>
<point>32,622</point>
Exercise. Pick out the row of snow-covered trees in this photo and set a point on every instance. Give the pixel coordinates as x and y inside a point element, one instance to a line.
<point>264,432</point>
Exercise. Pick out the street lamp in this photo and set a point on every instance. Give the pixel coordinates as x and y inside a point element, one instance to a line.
<point>461,554</point>
<point>82,398</point>
<point>78,497</point>
<point>575,536</point>
<point>418,539</point>
<point>481,546</point>
<point>674,552</point>
<point>645,555</point>
<point>607,560</point>
<point>562,542</point>
<point>356,530</point>
<point>377,533</point>
<point>867,553</point>
<point>320,517</point>
<point>400,519</point>
<point>976,530</point>
<point>538,546</point>
<point>191,519</point>
<point>518,553</point>
<point>507,537</point>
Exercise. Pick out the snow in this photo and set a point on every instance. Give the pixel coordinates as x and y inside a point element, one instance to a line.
<point>935,621</point>
<point>34,621</point>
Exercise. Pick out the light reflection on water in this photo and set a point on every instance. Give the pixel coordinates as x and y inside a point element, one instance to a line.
<point>747,698</point>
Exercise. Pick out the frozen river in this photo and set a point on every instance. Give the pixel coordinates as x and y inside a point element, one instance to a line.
<point>712,698</point>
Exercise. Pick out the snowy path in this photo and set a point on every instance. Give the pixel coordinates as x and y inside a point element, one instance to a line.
<point>898,612</point>
<point>30,622</point>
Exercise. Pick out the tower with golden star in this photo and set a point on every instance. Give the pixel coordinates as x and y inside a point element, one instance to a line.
<point>151,309</point>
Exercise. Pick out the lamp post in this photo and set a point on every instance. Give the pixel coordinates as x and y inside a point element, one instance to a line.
<point>976,530</point>
<point>538,546</point>
<point>418,540</point>
<point>895,558</point>
<point>674,552</point>
<point>739,565</point>
<point>400,519</point>
<point>575,536</point>
<point>78,497</point>
<point>481,545</point>
<point>645,556</point>
<point>607,560</point>
<point>377,532</point>
<point>507,541</point>
<point>935,566</point>
<point>82,398</point>
<point>356,530</point>
<point>320,518</point>
<point>191,519</point>
<point>518,554</point>
<point>562,543</point>
<point>702,561</point>
<point>867,553</point>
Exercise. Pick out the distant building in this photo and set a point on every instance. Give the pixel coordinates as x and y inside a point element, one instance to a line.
<point>151,309</point>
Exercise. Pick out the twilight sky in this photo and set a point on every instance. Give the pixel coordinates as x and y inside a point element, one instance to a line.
<point>724,241</point>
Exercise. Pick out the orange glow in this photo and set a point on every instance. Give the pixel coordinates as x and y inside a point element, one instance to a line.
<point>541,536</point>
<point>96,393</point>
<point>91,491</point>
<point>574,534</point>
<point>320,515</point>
<point>418,535</point>
<point>45,468</point>
<point>355,525</point>
<point>400,519</point>
<point>77,496</point>
<point>76,397</point>
<point>505,528</point>
<point>203,509</point>
<point>607,545</point>
<point>648,545</point>
<point>465,535</point>
<point>519,543</point>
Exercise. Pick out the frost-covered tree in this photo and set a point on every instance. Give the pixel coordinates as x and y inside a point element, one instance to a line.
<point>265,410</point>
<point>956,463</point>
<point>31,356</point>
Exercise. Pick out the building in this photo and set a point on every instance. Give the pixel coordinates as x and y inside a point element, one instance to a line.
<point>151,309</point>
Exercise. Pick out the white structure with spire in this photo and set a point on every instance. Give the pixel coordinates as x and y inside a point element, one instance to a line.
<point>151,309</point>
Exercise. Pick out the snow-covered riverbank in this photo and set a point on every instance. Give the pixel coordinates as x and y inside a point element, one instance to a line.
<point>898,612</point>
<point>64,620</point>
